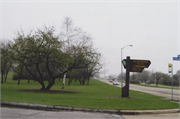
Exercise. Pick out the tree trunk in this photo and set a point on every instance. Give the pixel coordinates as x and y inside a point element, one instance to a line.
<point>19,77</point>
<point>64,78</point>
<point>18,80</point>
<point>69,81</point>
<point>156,83</point>
<point>83,81</point>
<point>79,81</point>
<point>1,77</point>
<point>88,81</point>
<point>5,77</point>
<point>43,86</point>
<point>28,80</point>
<point>6,73</point>
<point>49,85</point>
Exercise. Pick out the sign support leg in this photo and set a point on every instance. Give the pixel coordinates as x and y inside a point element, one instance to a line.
<point>172,84</point>
<point>125,89</point>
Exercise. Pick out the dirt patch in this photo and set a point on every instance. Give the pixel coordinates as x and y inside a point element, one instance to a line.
<point>48,91</point>
<point>121,98</point>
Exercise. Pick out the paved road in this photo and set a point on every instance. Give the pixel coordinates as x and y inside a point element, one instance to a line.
<point>154,116</point>
<point>167,93</point>
<point>12,113</point>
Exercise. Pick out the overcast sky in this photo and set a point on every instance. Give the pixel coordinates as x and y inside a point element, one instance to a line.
<point>152,27</point>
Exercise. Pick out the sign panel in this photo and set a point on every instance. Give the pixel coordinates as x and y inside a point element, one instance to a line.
<point>137,65</point>
<point>169,68</point>
<point>136,69</point>
<point>140,63</point>
<point>170,65</point>
<point>124,63</point>
<point>176,58</point>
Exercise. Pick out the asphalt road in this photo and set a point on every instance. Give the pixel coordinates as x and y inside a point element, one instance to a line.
<point>167,93</point>
<point>154,116</point>
<point>12,113</point>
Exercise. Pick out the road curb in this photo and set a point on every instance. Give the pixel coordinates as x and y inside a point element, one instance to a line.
<point>60,108</point>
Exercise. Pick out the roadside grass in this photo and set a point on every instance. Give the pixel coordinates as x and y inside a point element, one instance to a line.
<point>159,86</point>
<point>96,95</point>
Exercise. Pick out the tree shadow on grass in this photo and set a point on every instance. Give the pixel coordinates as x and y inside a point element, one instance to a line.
<point>48,91</point>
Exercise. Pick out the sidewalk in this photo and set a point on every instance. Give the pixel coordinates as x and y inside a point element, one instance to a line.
<point>60,108</point>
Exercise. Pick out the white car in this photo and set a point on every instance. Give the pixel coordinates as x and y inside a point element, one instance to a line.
<point>110,80</point>
<point>115,83</point>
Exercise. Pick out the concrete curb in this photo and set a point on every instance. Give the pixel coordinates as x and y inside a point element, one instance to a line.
<point>60,108</point>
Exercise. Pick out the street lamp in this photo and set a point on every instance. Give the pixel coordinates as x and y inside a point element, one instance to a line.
<point>121,64</point>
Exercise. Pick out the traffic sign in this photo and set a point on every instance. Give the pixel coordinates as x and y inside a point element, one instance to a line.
<point>176,58</point>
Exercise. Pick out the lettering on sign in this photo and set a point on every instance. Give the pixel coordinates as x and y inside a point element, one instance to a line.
<point>137,65</point>
<point>140,63</point>
<point>140,66</point>
<point>136,69</point>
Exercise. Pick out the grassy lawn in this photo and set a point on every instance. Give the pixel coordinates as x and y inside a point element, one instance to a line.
<point>159,86</point>
<point>96,95</point>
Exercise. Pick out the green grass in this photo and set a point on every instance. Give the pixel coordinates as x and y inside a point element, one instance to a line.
<point>159,86</point>
<point>95,95</point>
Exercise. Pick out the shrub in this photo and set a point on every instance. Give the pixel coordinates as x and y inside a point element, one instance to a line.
<point>135,81</point>
<point>15,77</point>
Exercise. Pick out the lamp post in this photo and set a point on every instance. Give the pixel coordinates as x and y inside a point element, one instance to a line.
<point>121,64</point>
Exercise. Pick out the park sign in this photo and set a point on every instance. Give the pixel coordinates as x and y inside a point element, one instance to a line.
<point>137,65</point>
<point>136,69</point>
<point>132,65</point>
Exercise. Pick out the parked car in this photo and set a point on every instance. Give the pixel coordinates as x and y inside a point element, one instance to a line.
<point>148,82</point>
<point>115,83</point>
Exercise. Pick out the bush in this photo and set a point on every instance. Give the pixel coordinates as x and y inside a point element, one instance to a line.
<point>25,75</point>
<point>15,77</point>
<point>168,81</point>
<point>135,81</point>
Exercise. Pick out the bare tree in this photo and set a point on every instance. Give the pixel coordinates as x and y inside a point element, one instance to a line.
<point>144,76</point>
<point>157,76</point>
<point>178,73</point>
<point>78,44</point>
